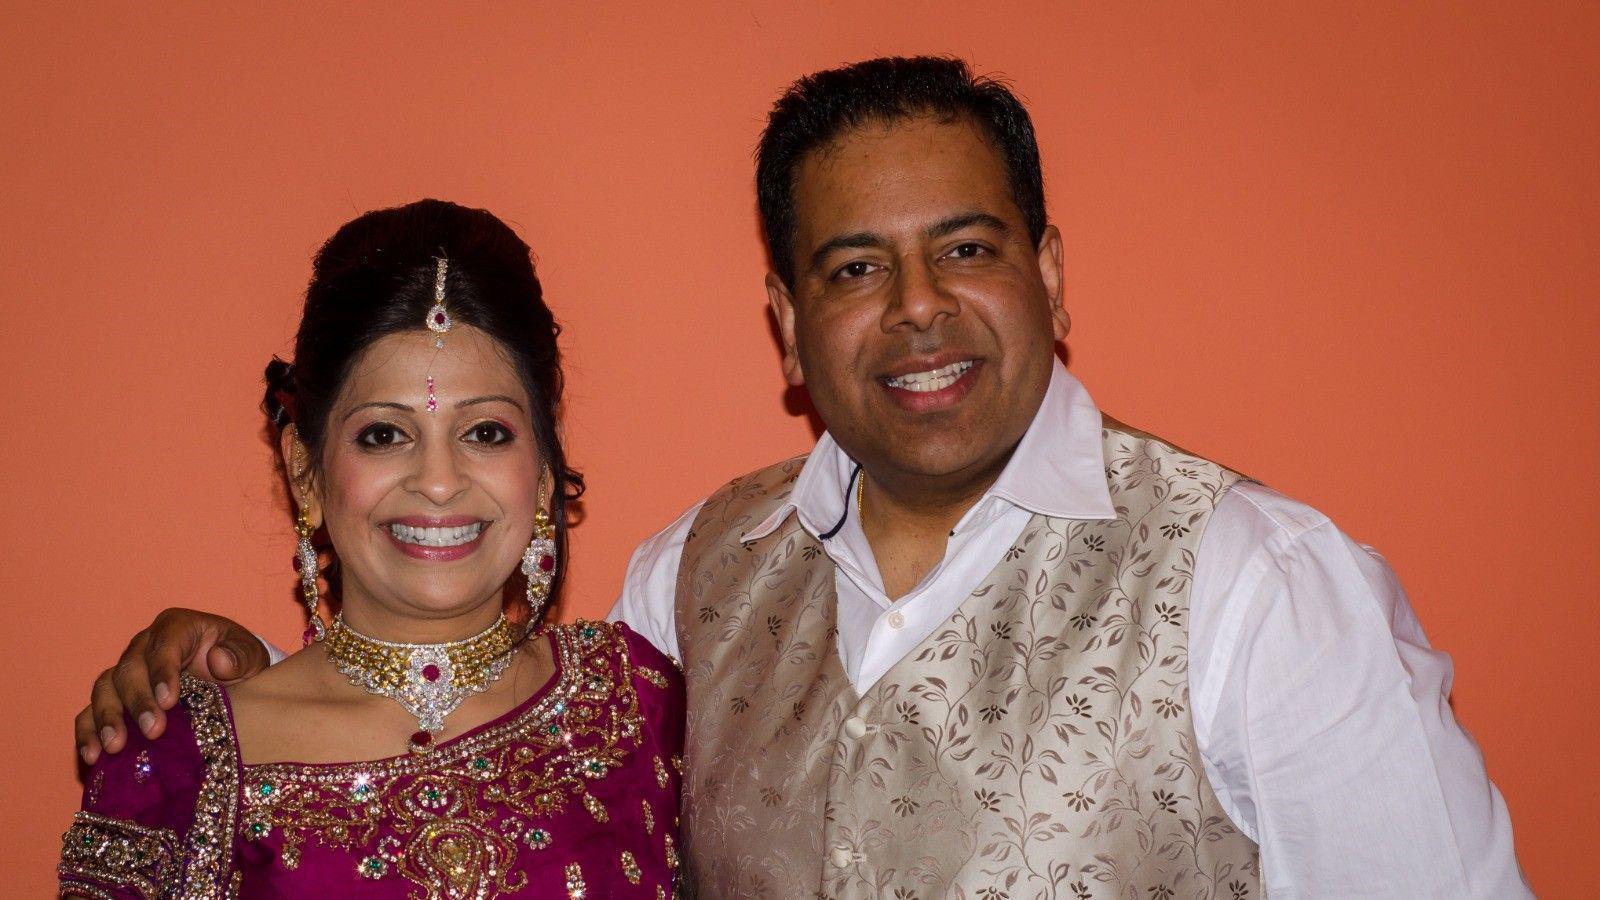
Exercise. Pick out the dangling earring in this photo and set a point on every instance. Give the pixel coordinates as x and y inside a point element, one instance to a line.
<point>307,556</point>
<point>539,564</point>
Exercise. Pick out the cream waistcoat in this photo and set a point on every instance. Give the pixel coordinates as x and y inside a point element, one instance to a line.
<point>1038,744</point>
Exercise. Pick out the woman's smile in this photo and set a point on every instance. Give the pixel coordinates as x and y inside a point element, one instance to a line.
<point>437,539</point>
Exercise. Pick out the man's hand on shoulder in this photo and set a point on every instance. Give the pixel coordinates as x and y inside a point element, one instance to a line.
<point>144,682</point>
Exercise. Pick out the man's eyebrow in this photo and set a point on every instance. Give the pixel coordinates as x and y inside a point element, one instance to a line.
<point>947,227</point>
<point>853,241</point>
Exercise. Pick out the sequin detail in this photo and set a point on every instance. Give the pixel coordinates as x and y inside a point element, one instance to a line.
<point>630,867</point>
<point>115,851</point>
<point>576,889</point>
<point>459,816</point>
<point>156,862</point>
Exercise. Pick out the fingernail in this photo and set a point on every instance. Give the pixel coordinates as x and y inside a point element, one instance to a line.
<point>89,755</point>
<point>147,720</point>
<point>163,692</point>
<point>106,734</point>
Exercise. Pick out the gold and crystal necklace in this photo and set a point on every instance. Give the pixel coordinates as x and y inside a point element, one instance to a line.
<point>429,680</point>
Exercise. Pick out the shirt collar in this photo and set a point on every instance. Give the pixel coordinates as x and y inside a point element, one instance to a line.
<point>1058,469</point>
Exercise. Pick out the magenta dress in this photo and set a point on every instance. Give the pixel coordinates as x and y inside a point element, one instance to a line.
<point>572,794</point>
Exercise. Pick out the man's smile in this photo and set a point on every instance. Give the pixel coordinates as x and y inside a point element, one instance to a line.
<point>930,385</point>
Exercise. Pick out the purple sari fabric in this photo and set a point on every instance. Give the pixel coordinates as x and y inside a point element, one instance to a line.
<point>572,794</point>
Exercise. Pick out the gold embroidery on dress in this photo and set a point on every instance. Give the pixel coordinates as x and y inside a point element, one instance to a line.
<point>576,889</point>
<point>630,867</point>
<point>208,857</point>
<point>119,852</point>
<point>464,809</point>
<point>649,817</point>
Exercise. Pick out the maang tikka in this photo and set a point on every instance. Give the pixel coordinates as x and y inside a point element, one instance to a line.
<point>438,321</point>
<point>306,559</point>
<point>539,564</point>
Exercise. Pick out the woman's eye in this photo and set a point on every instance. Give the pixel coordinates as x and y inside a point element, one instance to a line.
<point>488,433</point>
<point>380,434</point>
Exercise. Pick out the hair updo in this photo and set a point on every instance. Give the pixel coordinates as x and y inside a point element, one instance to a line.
<point>375,278</point>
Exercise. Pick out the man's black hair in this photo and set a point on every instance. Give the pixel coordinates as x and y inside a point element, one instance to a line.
<point>823,106</point>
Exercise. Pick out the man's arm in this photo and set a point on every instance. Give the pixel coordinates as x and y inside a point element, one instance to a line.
<point>144,682</point>
<point>1324,718</point>
<point>650,588</point>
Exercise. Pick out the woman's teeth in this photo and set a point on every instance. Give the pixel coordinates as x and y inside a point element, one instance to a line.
<point>437,537</point>
<point>931,380</point>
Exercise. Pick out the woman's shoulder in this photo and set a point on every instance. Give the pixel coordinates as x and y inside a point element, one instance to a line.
<point>158,801</point>
<point>626,648</point>
<point>647,682</point>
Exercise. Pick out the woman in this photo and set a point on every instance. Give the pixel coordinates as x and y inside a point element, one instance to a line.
<point>423,743</point>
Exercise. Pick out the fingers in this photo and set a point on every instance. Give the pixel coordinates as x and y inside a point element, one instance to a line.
<point>238,654</point>
<point>106,709</point>
<point>130,678</point>
<point>176,637</point>
<point>83,733</point>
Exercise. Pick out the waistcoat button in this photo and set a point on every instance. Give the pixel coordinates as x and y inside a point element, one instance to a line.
<point>897,620</point>
<point>842,855</point>
<point>854,728</point>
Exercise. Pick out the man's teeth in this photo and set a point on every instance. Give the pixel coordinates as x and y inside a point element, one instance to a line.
<point>931,380</point>
<point>437,537</point>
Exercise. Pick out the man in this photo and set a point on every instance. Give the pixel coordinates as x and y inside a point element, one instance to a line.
<point>983,641</point>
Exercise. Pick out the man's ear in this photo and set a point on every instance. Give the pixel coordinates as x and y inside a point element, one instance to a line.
<point>1052,272</point>
<point>782,302</point>
<point>302,480</point>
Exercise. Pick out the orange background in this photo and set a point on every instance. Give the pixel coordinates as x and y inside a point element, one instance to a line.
<point>1347,248</point>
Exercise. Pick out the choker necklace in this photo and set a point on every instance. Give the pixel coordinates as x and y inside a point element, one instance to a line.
<point>429,680</point>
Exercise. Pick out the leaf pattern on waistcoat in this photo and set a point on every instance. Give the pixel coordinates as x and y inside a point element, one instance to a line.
<point>1037,744</point>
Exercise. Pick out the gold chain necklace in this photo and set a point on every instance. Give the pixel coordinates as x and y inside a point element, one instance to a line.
<point>429,680</point>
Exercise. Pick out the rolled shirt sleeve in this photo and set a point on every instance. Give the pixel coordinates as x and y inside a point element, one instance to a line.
<point>650,587</point>
<point>1324,720</point>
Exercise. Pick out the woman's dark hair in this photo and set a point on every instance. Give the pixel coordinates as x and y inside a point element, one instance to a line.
<point>375,278</point>
<point>821,107</point>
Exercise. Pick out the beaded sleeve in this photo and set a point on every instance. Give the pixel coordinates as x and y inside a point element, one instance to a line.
<point>157,819</point>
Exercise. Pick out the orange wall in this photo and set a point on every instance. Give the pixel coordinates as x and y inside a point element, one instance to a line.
<point>1347,248</point>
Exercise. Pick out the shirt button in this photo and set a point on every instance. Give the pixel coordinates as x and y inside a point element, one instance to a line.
<point>842,856</point>
<point>855,728</point>
<point>897,620</point>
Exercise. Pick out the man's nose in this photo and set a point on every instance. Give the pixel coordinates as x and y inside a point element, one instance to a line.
<point>918,297</point>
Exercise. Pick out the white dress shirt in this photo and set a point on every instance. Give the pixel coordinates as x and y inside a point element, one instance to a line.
<point>1321,712</point>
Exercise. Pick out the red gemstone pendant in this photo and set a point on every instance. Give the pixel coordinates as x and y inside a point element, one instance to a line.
<point>421,741</point>
<point>430,672</point>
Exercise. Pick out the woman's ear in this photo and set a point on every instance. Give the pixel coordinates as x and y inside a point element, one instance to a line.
<point>547,491</point>
<point>302,479</point>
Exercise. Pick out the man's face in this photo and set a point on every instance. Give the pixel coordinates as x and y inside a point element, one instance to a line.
<point>922,318</point>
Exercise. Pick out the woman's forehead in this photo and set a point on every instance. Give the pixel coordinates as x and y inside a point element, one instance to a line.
<point>469,363</point>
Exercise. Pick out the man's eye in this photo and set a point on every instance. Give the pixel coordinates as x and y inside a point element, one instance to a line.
<point>488,433</point>
<point>857,269</point>
<point>380,434</point>
<point>968,251</point>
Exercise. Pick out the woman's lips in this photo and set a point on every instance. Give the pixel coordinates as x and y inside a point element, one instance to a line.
<point>435,529</point>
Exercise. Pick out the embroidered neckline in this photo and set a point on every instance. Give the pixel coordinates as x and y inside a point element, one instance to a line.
<point>570,642</point>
